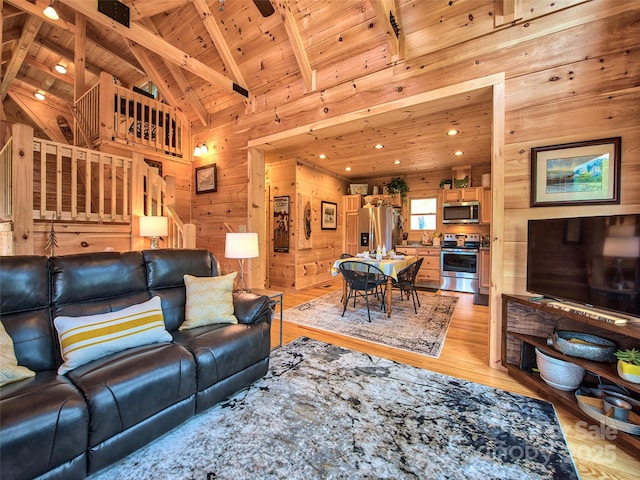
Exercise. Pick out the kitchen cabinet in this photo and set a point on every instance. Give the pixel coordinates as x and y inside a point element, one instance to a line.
<point>527,325</point>
<point>429,273</point>
<point>485,206</point>
<point>351,205</point>
<point>485,270</point>
<point>462,194</point>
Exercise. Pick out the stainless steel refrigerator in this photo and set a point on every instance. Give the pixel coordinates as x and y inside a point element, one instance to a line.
<point>378,226</point>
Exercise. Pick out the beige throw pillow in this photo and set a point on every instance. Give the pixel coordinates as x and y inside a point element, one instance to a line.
<point>10,371</point>
<point>209,301</point>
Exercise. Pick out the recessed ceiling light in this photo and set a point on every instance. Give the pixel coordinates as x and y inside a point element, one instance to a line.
<point>396,162</point>
<point>378,146</point>
<point>322,155</point>
<point>60,68</point>
<point>458,153</point>
<point>348,169</point>
<point>452,132</point>
<point>39,95</point>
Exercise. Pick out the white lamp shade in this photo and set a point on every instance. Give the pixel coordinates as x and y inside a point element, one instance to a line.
<point>621,247</point>
<point>241,245</point>
<point>153,226</point>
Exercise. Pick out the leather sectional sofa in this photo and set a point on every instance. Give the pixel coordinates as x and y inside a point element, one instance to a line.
<point>68,426</point>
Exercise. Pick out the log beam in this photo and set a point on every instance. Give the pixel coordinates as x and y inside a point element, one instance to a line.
<point>308,75</point>
<point>29,32</point>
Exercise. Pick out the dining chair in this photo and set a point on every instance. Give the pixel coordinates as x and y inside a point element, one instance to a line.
<point>362,280</point>
<point>406,282</point>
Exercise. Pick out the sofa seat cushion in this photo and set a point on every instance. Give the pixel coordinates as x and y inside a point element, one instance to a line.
<point>223,350</point>
<point>86,338</point>
<point>128,387</point>
<point>45,423</point>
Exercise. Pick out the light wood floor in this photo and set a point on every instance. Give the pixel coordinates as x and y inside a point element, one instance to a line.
<point>465,355</point>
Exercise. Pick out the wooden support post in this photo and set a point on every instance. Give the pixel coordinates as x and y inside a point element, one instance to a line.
<point>22,190</point>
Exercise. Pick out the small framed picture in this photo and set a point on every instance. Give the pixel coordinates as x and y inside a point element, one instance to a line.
<point>580,173</point>
<point>329,216</point>
<point>206,179</point>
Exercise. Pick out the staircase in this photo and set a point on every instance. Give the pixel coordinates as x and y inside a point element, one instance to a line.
<point>61,199</point>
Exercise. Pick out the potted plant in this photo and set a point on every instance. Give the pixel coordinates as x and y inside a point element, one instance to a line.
<point>445,183</point>
<point>629,364</point>
<point>398,185</point>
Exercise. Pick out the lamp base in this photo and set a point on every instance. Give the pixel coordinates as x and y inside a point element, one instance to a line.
<point>154,243</point>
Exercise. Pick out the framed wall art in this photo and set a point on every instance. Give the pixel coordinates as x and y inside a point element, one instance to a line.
<point>281,224</point>
<point>206,179</point>
<point>329,216</point>
<point>580,173</point>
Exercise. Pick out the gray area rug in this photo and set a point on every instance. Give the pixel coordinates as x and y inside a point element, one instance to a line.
<point>422,333</point>
<point>325,412</point>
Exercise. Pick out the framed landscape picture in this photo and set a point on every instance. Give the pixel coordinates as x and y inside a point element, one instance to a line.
<point>329,216</point>
<point>579,173</point>
<point>206,179</point>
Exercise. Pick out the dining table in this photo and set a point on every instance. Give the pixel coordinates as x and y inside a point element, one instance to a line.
<point>391,266</point>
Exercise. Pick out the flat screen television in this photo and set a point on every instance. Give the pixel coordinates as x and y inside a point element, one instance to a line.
<point>593,261</point>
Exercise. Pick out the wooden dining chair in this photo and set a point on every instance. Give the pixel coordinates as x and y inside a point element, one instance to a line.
<point>363,279</point>
<point>406,282</point>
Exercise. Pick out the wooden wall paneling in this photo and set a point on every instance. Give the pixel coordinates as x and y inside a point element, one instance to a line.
<point>256,220</point>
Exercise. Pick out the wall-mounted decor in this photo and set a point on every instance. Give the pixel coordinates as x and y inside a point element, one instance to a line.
<point>206,179</point>
<point>329,218</point>
<point>281,224</point>
<point>359,188</point>
<point>580,173</point>
<point>305,215</point>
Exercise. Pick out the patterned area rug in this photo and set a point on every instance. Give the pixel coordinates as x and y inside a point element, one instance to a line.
<point>422,333</point>
<point>325,412</point>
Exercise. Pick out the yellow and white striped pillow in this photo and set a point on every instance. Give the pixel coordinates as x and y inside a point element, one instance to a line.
<point>10,371</point>
<point>84,339</point>
<point>209,301</point>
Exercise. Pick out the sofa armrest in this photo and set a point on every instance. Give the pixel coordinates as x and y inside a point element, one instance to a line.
<point>252,308</point>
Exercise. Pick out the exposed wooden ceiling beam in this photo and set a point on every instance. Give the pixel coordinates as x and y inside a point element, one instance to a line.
<point>147,39</point>
<point>28,87</point>
<point>155,76</point>
<point>66,54</point>
<point>29,32</point>
<point>308,75</point>
<point>385,11</point>
<point>139,9</point>
<point>48,70</point>
<point>109,49</point>
<point>182,82</point>
<point>210,24</point>
<point>79,57</point>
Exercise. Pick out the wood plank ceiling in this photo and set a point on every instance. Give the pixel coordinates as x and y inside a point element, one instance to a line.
<point>203,54</point>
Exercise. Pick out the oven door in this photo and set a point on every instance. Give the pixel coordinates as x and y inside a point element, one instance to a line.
<point>459,270</point>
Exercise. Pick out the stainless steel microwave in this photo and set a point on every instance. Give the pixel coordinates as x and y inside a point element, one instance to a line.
<point>461,212</point>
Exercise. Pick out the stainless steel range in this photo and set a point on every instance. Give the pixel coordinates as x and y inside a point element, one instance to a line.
<point>460,262</point>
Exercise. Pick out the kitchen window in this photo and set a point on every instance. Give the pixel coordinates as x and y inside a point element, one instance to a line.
<point>422,213</point>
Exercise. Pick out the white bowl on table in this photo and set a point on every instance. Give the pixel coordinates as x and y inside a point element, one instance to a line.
<point>559,374</point>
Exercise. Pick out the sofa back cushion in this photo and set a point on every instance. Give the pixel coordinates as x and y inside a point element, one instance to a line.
<point>165,271</point>
<point>24,310</point>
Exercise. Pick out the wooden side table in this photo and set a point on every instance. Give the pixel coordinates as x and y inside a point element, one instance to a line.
<point>276,299</point>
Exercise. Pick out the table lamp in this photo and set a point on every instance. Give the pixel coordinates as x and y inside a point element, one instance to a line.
<point>241,246</point>
<point>153,227</point>
<point>620,248</point>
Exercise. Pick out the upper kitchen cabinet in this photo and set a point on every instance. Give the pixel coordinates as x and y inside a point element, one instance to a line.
<point>462,195</point>
<point>485,206</point>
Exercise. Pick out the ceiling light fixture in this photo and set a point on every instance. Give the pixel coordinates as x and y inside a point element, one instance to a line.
<point>378,146</point>
<point>60,68</point>
<point>322,155</point>
<point>396,162</point>
<point>39,95</point>
<point>458,153</point>
<point>452,132</point>
<point>348,169</point>
<point>50,12</point>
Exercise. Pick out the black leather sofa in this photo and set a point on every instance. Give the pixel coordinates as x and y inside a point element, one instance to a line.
<point>68,426</point>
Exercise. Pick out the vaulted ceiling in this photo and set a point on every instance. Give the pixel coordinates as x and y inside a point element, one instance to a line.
<point>211,57</point>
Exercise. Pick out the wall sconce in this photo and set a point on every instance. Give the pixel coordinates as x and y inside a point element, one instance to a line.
<point>50,12</point>
<point>39,95</point>
<point>201,149</point>
<point>241,246</point>
<point>154,227</point>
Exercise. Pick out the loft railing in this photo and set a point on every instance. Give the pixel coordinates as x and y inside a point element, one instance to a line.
<point>77,184</point>
<point>110,112</point>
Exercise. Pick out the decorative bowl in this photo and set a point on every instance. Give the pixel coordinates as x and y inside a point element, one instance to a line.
<point>629,371</point>
<point>558,373</point>
<point>584,345</point>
